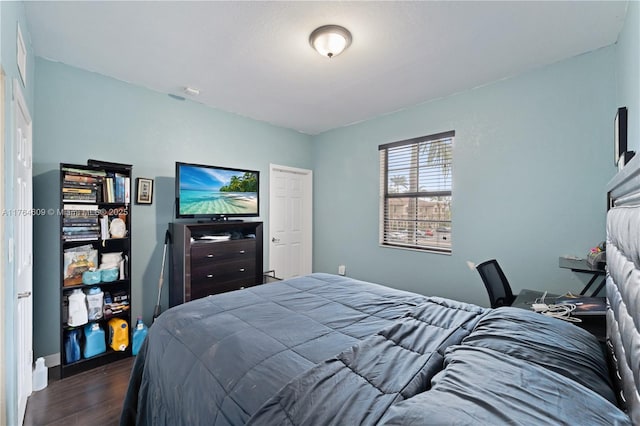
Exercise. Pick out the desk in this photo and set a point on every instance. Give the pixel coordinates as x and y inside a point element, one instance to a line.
<point>581,265</point>
<point>526,298</point>
<point>594,324</point>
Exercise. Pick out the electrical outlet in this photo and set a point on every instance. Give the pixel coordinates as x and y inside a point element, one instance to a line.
<point>342,270</point>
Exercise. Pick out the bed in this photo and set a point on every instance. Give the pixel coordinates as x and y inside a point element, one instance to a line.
<point>325,349</point>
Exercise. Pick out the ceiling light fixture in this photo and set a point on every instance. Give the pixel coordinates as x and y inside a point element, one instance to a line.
<point>192,91</point>
<point>330,40</point>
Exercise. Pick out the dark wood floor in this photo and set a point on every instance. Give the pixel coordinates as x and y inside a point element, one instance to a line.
<point>90,398</point>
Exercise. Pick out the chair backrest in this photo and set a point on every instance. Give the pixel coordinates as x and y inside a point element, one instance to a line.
<point>498,287</point>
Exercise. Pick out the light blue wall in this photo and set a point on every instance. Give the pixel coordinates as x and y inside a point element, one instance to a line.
<point>531,157</point>
<point>10,14</point>
<point>628,72</point>
<point>84,115</point>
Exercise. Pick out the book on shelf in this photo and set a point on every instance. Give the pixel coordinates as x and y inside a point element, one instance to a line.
<point>116,188</point>
<point>84,189</point>
<point>80,229</point>
<point>104,227</point>
<point>80,220</point>
<point>127,190</point>
<point>72,209</point>
<point>94,227</point>
<point>108,190</point>
<point>70,198</point>
<point>81,178</point>
<point>77,171</point>
<point>79,183</point>
<point>119,187</point>
<point>88,237</point>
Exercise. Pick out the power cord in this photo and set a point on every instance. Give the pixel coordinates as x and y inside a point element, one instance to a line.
<point>561,311</point>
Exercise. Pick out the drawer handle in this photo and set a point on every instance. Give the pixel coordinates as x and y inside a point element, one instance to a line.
<point>209,275</point>
<point>209,255</point>
<point>241,251</point>
<point>241,269</point>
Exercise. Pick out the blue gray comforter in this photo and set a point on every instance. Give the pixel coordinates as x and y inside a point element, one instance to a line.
<point>324,349</point>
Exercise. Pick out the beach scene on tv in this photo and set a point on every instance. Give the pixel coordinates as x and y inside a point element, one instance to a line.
<point>211,191</point>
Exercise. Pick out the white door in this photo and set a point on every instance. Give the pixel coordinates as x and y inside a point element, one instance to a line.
<point>22,246</point>
<point>290,221</point>
<point>3,398</point>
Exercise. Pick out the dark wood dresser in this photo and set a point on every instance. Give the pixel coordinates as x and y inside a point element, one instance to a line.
<point>211,258</point>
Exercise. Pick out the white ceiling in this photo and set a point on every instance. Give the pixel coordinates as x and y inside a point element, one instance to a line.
<point>254,58</point>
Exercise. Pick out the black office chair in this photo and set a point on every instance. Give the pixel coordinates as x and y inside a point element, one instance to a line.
<point>498,287</point>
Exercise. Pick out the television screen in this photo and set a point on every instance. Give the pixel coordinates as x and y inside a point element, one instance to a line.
<point>216,192</point>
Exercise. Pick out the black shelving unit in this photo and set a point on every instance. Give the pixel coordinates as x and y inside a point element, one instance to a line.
<point>95,201</point>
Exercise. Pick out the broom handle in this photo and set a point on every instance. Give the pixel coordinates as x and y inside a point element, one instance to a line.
<point>167,240</point>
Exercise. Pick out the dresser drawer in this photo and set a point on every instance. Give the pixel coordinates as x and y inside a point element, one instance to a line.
<point>221,251</point>
<point>201,289</point>
<point>221,277</point>
<point>224,271</point>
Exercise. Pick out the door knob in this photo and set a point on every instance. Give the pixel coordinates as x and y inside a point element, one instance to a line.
<point>24,295</point>
<point>275,240</point>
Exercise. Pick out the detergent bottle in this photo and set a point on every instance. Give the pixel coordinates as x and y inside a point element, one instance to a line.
<point>78,314</point>
<point>94,303</point>
<point>94,340</point>
<point>40,375</point>
<point>118,334</point>
<point>72,346</point>
<point>139,334</point>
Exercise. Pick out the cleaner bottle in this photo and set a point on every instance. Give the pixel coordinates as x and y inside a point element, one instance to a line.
<point>139,334</point>
<point>78,314</point>
<point>39,375</point>
<point>94,303</point>
<point>94,340</point>
<point>72,346</point>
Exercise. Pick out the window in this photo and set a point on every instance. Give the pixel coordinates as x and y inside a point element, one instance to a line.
<point>415,193</point>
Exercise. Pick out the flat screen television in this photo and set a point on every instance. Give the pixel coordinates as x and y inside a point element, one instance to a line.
<point>216,193</point>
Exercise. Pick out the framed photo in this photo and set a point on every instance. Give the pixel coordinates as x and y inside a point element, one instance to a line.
<point>619,134</point>
<point>144,191</point>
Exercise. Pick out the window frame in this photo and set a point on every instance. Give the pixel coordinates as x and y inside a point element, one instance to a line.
<point>414,206</point>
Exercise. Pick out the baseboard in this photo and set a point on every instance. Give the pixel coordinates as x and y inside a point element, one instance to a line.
<point>52,360</point>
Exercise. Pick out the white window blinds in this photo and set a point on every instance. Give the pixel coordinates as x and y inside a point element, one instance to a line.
<point>415,193</point>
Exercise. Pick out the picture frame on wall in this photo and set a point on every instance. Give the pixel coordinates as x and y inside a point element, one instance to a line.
<point>619,135</point>
<point>144,191</point>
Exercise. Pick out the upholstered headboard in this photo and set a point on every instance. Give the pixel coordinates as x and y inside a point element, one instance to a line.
<point>623,284</point>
